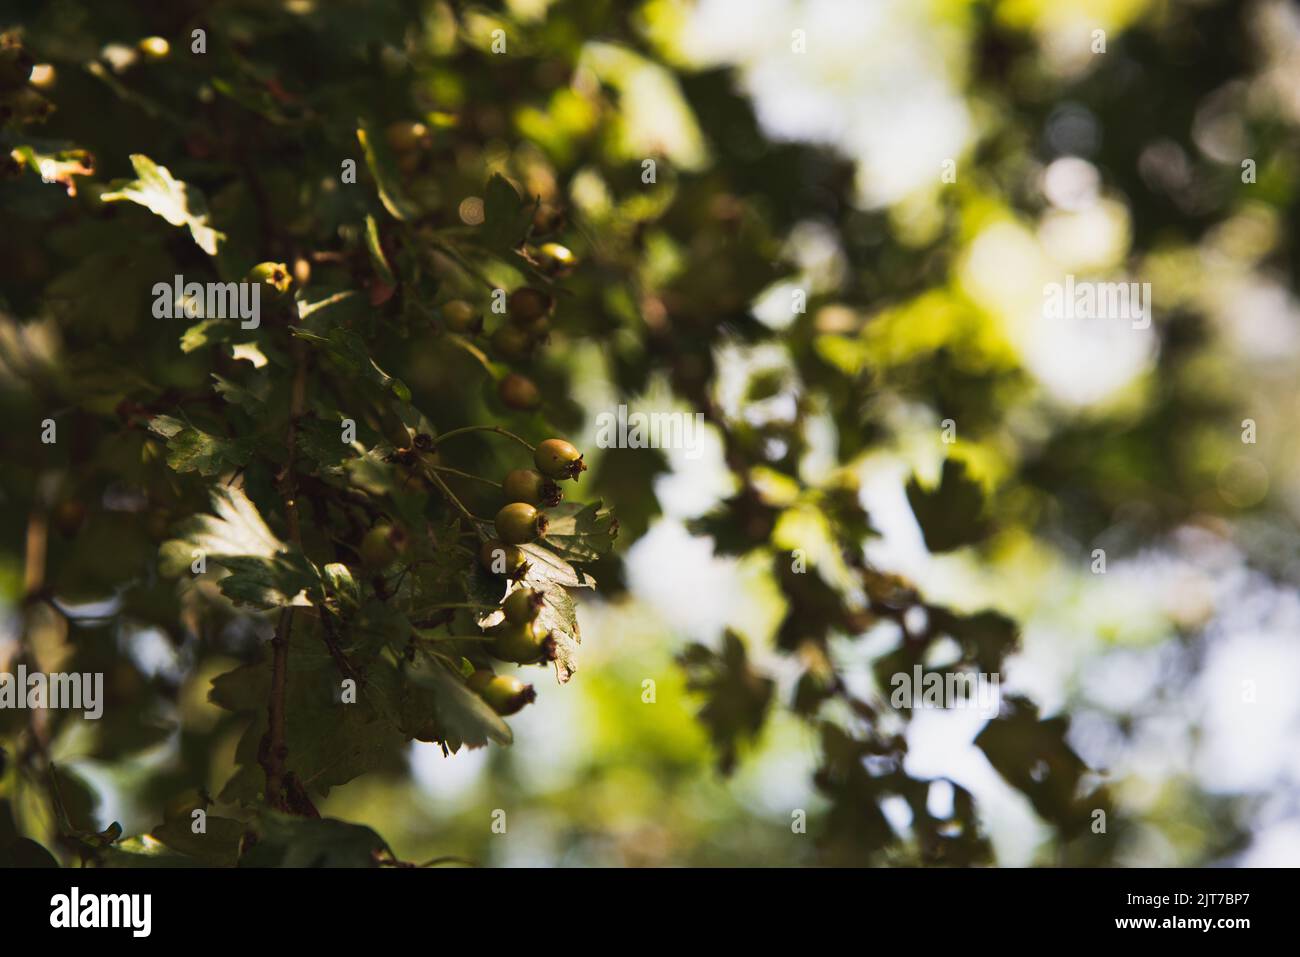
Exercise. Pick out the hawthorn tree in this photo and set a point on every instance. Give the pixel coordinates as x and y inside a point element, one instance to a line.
<point>358,492</point>
<point>221,452</point>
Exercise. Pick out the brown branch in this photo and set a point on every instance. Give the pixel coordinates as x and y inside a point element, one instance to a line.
<point>274,750</point>
<point>297,403</point>
<point>330,637</point>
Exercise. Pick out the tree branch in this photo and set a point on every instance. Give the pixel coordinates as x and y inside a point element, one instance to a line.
<point>274,750</point>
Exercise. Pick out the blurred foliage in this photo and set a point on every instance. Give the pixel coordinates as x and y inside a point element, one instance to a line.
<point>479,135</point>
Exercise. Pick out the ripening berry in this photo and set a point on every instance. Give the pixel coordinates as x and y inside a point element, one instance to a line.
<point>526,485</point>
<point>524,642</point>
<point>155,48</point>
<point>512,343</point>
<point>519,392</point>
<point>555,260</point>
<point>519,522</point>
<point>527,305</point>
<point>539,330</point>
<point>460,316</point>
<point>502,559</point>
<point>274,278</point>
<point>547,219</point>
<point>405,136</point>
<point>381,546</point>
<point>522,605</point>
<point>505,694</point>
<point>558,459</point>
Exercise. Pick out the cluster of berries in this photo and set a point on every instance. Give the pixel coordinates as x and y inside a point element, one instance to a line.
<point>522,637</point>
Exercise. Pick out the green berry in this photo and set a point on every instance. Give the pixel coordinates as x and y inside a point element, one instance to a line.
<point>522,605</point>
<point>559,459</point>
<point>519,522</point>
<point>274,277</point>
<point>524,643</point>
<point>505,694</point>
<point>539,330</point>
<point>155,48</point>
<point>512,343</point>
<point>381,546</point>
<point>460,316</point>
<point>502,559</point>
<point>555,260</point>
<point>519,392</point>
<point>548,219</point>
<point>405,136</point>
<point>526,485</point>
<point>527,305</point>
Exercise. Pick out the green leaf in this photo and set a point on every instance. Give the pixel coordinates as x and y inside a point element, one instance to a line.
<point>461,716</point>
<point>580,533</point>
<point>251,399</point>
<point>329,741</point>
<point>1035,757</point>
<point>339,581</point>
<point>56,166</point>
<point>737,696</point>
<point>376,250</point>
<point>25,852</point>
<point>264,571</point>
<point>559,615</point>
<point>322,441</point>
<point>287,841</point>
<point>349,350</point>
<point>217,846</point>
<point>951,515</point>
<point>207,332</point>
<point>985,637</point>
<point>386,179</point>
<point>179,203</point>
<point>505,216</point>
<point>192,450</point>
<point>136,852</point>
<point>545,566</point>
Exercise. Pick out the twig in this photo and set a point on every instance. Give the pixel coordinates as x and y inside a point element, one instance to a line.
<point>274,750</point>
<point>330,638</point>
<point>459,505</point>
<point>483,428</point>
<point>468,475</point>
<point>275,747</point>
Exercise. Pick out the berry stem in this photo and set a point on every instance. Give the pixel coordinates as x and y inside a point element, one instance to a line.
<point>468,475</point>
<point>483,428</point>
<point>459,505</point>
